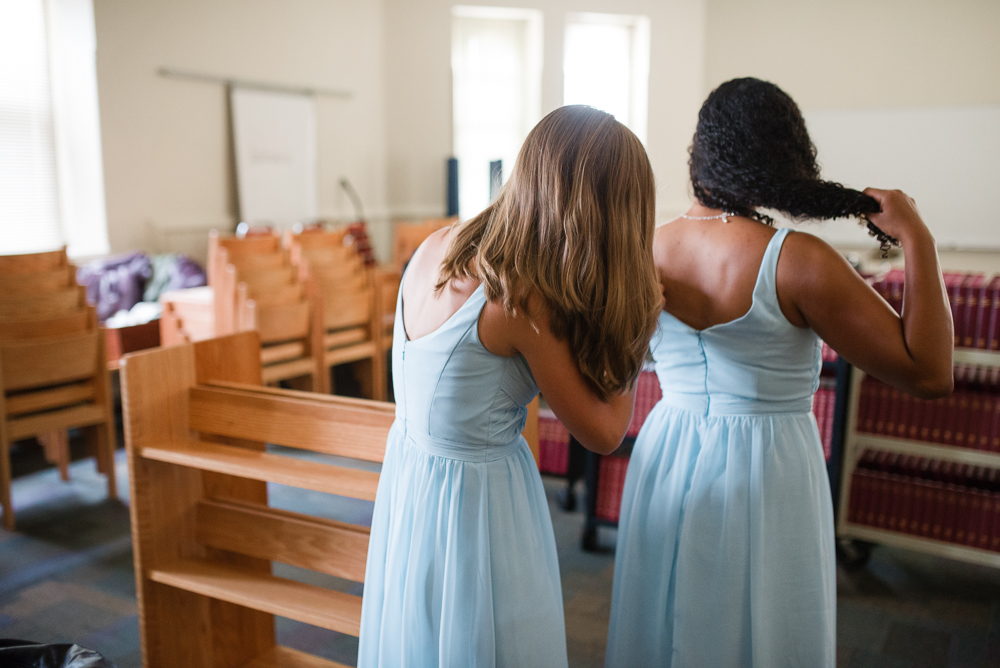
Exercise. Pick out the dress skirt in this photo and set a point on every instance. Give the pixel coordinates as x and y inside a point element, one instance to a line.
<point>462,568</point>
<point>725,553</point>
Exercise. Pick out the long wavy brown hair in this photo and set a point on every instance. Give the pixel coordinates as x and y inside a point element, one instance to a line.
<point>574,226</point>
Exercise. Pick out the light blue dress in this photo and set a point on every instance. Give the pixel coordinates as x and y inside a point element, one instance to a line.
<point>462,568</point>
<point>725,552</point>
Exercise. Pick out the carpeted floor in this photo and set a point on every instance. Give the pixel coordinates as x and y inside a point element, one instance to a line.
<point>66,575</point>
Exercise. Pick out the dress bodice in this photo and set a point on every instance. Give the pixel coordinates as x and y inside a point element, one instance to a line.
<point>758,363</point>
<point>454,397</point>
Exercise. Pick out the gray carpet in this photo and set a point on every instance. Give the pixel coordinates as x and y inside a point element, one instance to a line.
<point>66,575</point>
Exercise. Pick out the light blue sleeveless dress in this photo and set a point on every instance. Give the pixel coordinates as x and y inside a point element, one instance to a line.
<point>462,568</point>
<point>725,553</point>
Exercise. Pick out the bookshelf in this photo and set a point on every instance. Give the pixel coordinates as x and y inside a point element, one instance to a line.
<point>857,442</point>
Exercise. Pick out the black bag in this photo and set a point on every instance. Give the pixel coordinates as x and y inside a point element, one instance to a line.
<point>26,654</point>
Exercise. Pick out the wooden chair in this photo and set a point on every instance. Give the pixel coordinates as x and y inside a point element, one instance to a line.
<point>49,304</point>
<point>352,330</point>
<point>37,282</point>
<point>204,537</point>
<point>30,263</point>
<point>54,377</point>
<point>407,237</point>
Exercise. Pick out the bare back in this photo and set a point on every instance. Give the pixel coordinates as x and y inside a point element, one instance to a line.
<point>708,270</point>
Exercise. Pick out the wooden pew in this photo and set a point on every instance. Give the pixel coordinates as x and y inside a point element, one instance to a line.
<point>196,420</point>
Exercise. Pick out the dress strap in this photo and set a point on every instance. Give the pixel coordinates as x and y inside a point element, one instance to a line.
<point>766,290</point>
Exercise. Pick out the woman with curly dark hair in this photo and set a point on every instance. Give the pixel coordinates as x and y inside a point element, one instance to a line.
<point>725,544</point>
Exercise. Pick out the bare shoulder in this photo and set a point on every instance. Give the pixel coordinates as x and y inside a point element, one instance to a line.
<point>808,258</point>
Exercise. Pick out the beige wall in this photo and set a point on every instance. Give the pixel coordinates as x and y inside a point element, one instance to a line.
<point>418,91</point>
<point>839,54</point>
<point>165,141</point>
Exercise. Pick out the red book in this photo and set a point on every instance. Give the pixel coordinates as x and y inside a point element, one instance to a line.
<point>925,415</point>
<point>953,284</point>
<point>995,528</point>
<point>917,510</point>
<point>974,420</point>
<point>975,517</point>
<point>895,486</point>
<point>987,408</point>
<point>883,406</point>
<point>854,499</point>
<point>995,426</point>
<point>993,329</point>
<point>961,521</point>
<point>963,402</point>
<point>986,521</point>
<point>973,288</point>
<point>866,401</point>
<point>988,301</point>
<point>950,513</point>
<point>906,506</point>
<point>948,426</point>
<point>907,415</point>
<point>938,506</point>
<point>892,418</point>
<point>869,499</point>
<point>939,410</point>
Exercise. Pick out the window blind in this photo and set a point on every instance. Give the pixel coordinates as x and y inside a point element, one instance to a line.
<point>29,201</point>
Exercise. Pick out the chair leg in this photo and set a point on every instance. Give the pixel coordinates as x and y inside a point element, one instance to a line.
<point>8,509</point>
<point>106,452</point>
<point>378,376</point>
<point>56,446</point>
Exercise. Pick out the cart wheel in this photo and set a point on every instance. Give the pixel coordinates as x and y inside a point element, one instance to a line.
<point>853,555</point>
<point>589,540</point>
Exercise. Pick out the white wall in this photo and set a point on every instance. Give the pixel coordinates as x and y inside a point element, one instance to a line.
<point>166,141</point>
<point>890,64</point>
<point>418,91</point>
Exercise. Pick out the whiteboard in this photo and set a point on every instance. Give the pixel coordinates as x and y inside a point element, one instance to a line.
<point>274,135</point>
<point>947,159</point>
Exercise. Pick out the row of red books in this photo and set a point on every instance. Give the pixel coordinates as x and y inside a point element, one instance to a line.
<point>975,305</point>
<point>936,470</point>
<point>968,418</point>
<point>954,513</point>
<point>824,405</point>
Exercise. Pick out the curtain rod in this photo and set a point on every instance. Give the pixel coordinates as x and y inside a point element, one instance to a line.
<point>256,85</point>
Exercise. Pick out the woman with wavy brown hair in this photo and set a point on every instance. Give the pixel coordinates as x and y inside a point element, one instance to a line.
<point>725,550</point>
<point>551,288</point>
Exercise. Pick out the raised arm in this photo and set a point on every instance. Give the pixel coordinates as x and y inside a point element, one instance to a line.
<point>598,425</point>
<point>912,351</point>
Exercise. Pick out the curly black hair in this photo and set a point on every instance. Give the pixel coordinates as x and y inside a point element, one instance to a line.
<point>751,150</point>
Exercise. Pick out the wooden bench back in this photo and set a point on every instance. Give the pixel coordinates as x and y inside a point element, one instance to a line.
<point>33,262</point>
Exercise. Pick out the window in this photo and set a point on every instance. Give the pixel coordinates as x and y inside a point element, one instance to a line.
<point>496,61</point>
<point>606,65</point>
<point>51,174</point>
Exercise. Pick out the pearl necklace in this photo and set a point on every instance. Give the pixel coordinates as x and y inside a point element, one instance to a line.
<point>723,216</point>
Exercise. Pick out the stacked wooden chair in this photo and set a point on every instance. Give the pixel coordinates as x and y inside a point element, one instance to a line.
<point>252,285</point>
<point>204,536</point>
<point>352,316</point>
<point>53,372</point>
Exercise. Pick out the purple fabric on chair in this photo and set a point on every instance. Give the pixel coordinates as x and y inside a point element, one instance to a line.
<point>115,283</point>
